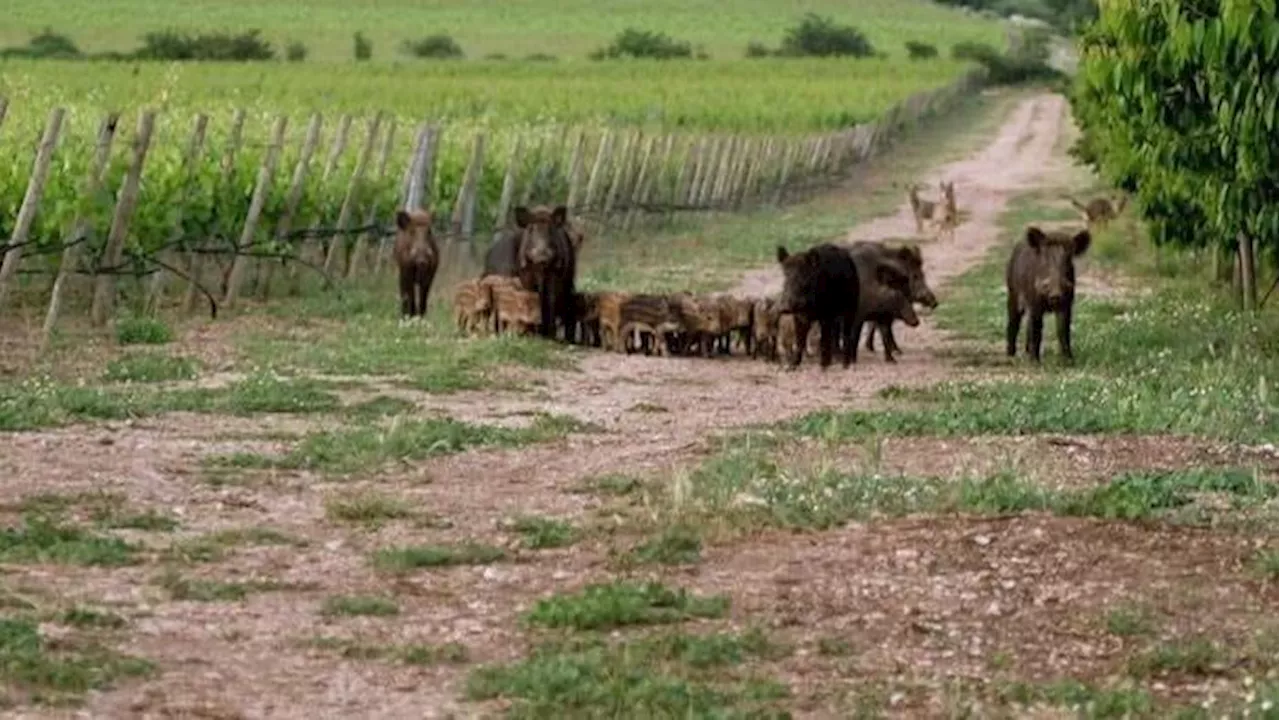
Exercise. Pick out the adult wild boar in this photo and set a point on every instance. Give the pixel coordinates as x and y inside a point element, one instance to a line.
<point>540,251</point>
<point>417,255</point>
<point>885,296</point>
<point>909,259</point>
<point>820,285</point>
<point>1041,278</point>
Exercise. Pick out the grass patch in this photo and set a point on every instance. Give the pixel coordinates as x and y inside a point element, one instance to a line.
<point>746,485</point>
<point>380,407</point>
<point>213,547</point>
<point>38,670</point>
<point>676,545</point>
<point>666,675</point>
<point>539,533</point>
<point>409,654</point>
<point>86,617</point>
<point>142,331</point>
<point>149,520</point>
<point>106,510</point>
<point>358,449</point>
<point>1188,656</point>
<point>1130,621</point>
<point>149,368</point>
<point>415,557</point>
<point>40,402</point>
<point>47,540</point>
<point>619,604</point>
<point>834,647</point>
<point>432,359</point>
<point>612,484</point>
<point>1266,564</point>
<point>182,588</point>
<point>367,508</point>
<point>367,605</point>
<point>1091,701</point>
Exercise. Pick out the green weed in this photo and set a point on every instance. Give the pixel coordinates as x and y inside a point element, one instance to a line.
<point>360,448</point>
<point>142,331</point>
<point>182,588</point>
<point>675,545</point>
<point>46,540</point>
<point>369,605</point>
<point>613,484</point>
<point>212,547</point>
<point>149,368</point>
<point>539,533</point>
<point>1130,621</point>
<point>618,604</point>
<point>409,654</point>
<point>1190,656</point>
<point>367,508</point>
<point>666,675</point>
<point>88,617</point>
<point>408,559</point>
<point>1090,701</point>
<point>36,670</point>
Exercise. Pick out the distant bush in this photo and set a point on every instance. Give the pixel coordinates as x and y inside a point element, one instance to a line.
<point>295,52</point>
<point>757,49</point>
<point>214,46</point>
<point>440,47</point>
<point>540,57</point>
<point>46,45</point>
<point>921,51</point>
<point>821,37</point>
<point>1026,61</point>
<point>363,49</point>
<point>496,56</point>
<point>644,44</point>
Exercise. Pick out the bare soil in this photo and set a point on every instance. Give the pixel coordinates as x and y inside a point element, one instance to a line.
<point>926,604</point>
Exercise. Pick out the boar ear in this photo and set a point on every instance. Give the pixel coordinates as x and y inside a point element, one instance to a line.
<point>403,219</point>
<point>559,215</point>
<point>1035,236</point>
<point>910,253</point>
<point>1081,241</point>
<point>522,216</point>
<point>783,254</point>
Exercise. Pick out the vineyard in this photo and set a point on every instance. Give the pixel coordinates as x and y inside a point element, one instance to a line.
<point>276,186</point>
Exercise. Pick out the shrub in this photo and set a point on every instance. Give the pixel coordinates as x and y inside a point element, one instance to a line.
<point>433,46</point>
<point>644,44</point>
<point>821,37</point>
<point>921,51</point>
<point>215,46</point>
<point>496,56</point>
<point>47,44</point>
<point>363,47</point>
<point>757,49</point>
<point>295,52</point>
<point>540,57</point>
<point>1025,62</point>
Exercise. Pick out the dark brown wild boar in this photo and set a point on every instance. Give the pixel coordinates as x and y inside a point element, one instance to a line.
<point>885,297</point>
<point>912,261</point>
<point>820,285</point>
<point>540,251</point>
<point>417,255</point>
<point>1041,278</point>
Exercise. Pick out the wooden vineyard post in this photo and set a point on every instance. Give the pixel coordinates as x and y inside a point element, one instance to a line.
<point>508,184</point>
<point>310,248</point>
<point>680,188</point>
<point>603,154</point>
<point>80,226</point>
<point>31,200</point>
<point>338,242</point>
<point>705,149</point>
<point>195,258</point>
<point>619,174</point>
<point>638,188</point>
<point>789,151</point>
<point>654,177</point>
<point>260,189</point>
<point>285,224</point>
<point>536,156</point>
<point>359,254</point>
<point>190,163</point>
<point>575,171</point>
<point>463,220</point>
<point>4,110</point>
<point>411,193</point>
<point>104,294</point>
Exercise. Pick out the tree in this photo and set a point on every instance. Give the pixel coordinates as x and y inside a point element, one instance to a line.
<point>1177,100</point>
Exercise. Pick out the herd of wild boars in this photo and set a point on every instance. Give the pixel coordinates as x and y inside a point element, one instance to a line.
<point>528,286</point>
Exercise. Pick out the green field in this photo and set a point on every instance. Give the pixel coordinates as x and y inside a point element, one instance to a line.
<point>564,29</point>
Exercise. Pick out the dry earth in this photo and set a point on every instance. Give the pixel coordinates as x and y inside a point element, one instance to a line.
<point>925,603</point>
